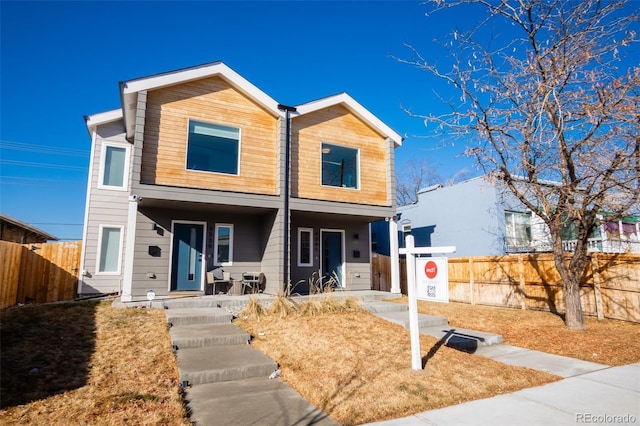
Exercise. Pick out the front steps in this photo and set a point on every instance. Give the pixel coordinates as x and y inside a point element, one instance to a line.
<point>438,327</point>
<point>226,380</point>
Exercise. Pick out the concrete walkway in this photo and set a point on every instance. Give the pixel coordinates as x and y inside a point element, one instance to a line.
<point>605,396</point>
<point>229,384</point>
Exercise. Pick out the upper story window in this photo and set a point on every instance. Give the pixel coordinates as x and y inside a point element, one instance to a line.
<point>213,148</point>
<point>518,229</point>
<point>114,164</point>
<point>340,166</point>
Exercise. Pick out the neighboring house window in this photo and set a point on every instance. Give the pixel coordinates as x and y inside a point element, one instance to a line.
<point>213,148</point>
<point>109,249</point>
<point>305,247</point>
<point>223,245</point>
<point>518,229</point>
<point>340,166</point>
<point>114,165</point>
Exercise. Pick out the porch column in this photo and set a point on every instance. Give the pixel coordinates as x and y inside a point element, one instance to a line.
<point>394,254</point>
<point>129,246</point>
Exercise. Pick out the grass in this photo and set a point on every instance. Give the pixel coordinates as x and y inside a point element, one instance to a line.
<point>88,363</point>
<point>607,342</point>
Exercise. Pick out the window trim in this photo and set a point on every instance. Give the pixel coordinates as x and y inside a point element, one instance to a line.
<point>513,224</point>
<point>300,232</point>
<point>215,244</point>
<point>101,229</point>
<point>358,176</point>
<point>205,122</point>
<point>103,158</point>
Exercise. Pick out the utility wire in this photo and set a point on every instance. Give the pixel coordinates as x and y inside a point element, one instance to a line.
<point>54,150</point>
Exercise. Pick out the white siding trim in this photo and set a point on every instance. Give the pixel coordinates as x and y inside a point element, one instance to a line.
<point>127,279</point>
<point>83,270</point>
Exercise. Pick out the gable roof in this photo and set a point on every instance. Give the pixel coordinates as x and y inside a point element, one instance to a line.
<point>129,89</point>
<point>354,107</point>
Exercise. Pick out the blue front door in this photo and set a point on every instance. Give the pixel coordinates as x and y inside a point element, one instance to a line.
<point>186,265</point>
<point>332,256</point>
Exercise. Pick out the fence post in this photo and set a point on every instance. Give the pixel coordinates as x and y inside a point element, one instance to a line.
<point>472,298</point>
<point>523,300</point>
<point>595,269</point>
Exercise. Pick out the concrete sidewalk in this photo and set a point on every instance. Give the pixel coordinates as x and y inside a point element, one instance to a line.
<point>605,395</point>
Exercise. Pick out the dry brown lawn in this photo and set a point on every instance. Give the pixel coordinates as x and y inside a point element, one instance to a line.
<point>607,342</point>
<point>357,367</point>
<point>88,363</point>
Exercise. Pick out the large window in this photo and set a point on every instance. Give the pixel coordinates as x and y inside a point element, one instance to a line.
<point>518,229</point>
<point>113,167</point>
<point>223,245</point>
<point>305,247</point>
<point>109,249</point>
<point>213,148</point>
<point>340,166</point>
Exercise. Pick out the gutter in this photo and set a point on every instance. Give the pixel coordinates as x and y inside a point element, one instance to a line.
<point>287,178</point>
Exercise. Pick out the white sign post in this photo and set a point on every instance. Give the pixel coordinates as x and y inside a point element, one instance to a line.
<point>414,328</point>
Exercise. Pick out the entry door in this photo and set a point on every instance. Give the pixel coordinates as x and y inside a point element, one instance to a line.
<point>186,265</point>
<point>332,255</point>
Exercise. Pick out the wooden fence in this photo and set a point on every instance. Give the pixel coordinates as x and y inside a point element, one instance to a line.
<point>38,273</point>
<point>610,288</point>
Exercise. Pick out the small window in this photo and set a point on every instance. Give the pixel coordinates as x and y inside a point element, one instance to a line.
<point>305,247</point>
<point>223,245</point>
<point>340,166</point>
<point>113,167</point>
<point>109,249</point>
<point>518,229</point>
<point>213,148</point>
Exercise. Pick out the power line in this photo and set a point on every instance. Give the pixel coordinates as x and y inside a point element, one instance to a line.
<point>43,149</point>
<point>44,165</point>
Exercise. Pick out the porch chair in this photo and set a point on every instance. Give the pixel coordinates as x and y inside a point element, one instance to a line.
<point>255,281</point>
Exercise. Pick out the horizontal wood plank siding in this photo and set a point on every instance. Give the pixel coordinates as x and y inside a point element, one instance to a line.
<point>336,125</point>
<point>210,100</point>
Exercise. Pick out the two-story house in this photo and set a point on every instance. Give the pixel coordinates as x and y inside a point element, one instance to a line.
<point>199,169</point>
<point>483,218</point>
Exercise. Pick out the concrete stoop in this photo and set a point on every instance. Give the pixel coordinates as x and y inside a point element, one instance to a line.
<point>438,327</point>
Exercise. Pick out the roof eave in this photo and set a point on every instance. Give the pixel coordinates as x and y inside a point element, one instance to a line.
<point>356,108</point>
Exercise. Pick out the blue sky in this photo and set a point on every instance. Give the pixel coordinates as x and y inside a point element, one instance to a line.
<point>63,60</point>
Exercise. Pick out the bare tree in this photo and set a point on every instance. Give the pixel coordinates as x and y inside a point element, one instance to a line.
<point>549,106</point>
<point>414,176</point>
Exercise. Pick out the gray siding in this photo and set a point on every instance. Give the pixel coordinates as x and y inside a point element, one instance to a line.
<point>466,215</point>
<point>356,239</point>
<point>105,207</point>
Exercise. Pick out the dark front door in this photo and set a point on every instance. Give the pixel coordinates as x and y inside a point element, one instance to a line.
<point>332,256</point>
<point>186,265</point>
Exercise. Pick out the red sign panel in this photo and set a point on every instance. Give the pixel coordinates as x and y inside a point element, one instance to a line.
<point>431,269</point>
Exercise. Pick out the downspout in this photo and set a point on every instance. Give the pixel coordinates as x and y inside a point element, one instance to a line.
<point>287,184</point>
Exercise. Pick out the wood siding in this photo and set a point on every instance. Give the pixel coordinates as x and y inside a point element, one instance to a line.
<point>210,100</point>
<point>337,126</point>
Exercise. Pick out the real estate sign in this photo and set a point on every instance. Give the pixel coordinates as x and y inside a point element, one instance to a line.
<point>432,279</point>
